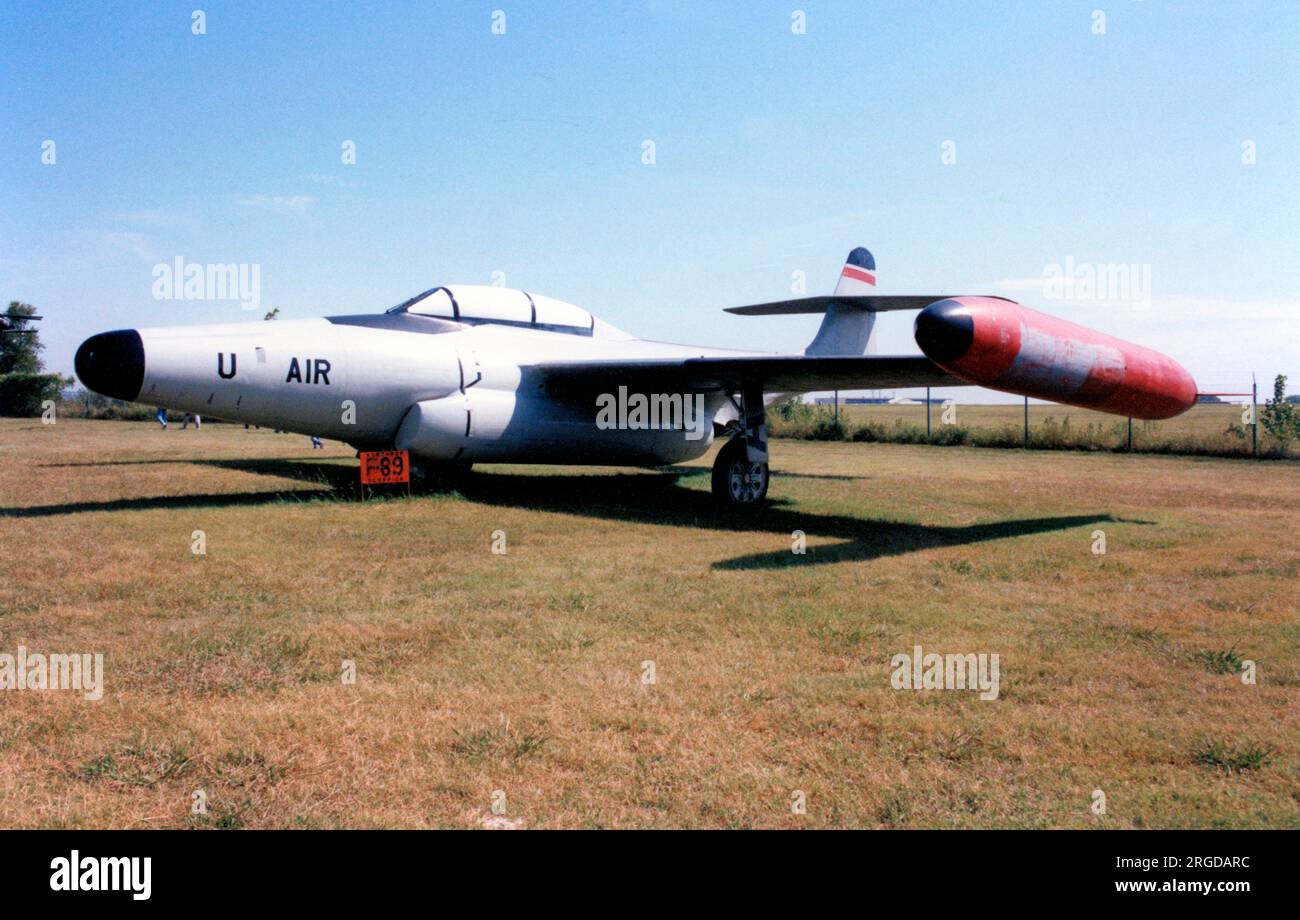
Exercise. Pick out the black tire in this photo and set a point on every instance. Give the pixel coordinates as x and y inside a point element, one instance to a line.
<point>737,483</point>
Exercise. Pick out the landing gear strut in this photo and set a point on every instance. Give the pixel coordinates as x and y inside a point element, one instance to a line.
<point>740,474</point>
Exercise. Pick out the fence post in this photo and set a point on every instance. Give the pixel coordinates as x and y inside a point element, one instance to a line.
<point>1026,423</point>
<point>1130,434</point>
<point>837,407</point>
<point>927,413</point>
<point>1254,416</point>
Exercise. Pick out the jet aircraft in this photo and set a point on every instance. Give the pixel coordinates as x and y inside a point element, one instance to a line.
<point>462,374</point>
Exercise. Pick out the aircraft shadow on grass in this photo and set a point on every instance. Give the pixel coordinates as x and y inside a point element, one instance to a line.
<point>650,498</point>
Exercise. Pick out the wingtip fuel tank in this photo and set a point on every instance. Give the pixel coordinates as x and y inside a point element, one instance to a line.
<point>1002,345</point>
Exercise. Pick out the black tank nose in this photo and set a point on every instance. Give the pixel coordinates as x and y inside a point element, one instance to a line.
<point>944,330</point>
<point>112,363</point>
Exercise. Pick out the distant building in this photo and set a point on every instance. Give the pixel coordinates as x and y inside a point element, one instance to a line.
<point>854,401</point>
<point>873,401</point>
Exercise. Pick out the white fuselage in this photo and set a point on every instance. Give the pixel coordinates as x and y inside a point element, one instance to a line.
<point>464,392</point>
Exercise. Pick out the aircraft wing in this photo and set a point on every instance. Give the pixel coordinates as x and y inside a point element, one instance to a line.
<point>773,373</point>
<point>872,302</point>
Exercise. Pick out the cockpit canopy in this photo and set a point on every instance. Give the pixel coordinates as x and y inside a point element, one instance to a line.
<point>477,303</point>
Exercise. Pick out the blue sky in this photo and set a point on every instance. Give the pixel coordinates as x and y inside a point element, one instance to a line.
<point>775,153</point>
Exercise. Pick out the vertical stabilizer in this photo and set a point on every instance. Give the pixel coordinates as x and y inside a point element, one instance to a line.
<point>847,330</point>
<point>858,278</point>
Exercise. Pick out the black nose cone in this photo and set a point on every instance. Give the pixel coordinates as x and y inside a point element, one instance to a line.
<point>945,330</point>
<point>112,363</point>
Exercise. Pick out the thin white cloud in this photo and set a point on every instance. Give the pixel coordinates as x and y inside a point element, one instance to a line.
<point>327,179</point>
<point>115,243</point>
<point>1031,283</point>
<point>1261,310</point>
<point>1187,306</point>
<point>149,217</point>
<point>280,204</point>
<point>680,11</point>
<point>157,218</point>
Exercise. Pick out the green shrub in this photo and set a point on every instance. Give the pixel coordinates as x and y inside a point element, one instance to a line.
<point>1280,417</point>
<point>85,404</point>
<point>826,429</point>
<point>22,394</point>
<point>808,422</point>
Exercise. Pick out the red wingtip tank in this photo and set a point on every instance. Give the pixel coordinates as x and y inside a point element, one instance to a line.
<point>1001,345</point>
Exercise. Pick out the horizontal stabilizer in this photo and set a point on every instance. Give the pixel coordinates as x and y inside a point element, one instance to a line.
<point>878,304</point>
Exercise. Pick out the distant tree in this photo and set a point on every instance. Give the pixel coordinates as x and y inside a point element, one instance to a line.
<point>23,387</point>
<point>1280,417</point>
<point>20,345</point>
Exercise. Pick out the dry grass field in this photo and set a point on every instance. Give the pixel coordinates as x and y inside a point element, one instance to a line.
<point>519,678</point>
<point>1202,419</point>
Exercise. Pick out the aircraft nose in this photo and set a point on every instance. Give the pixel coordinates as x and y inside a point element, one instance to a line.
<point>112,363</point>
<point>945,331</point>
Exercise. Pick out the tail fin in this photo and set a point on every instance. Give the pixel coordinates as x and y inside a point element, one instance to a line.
<point>858,277</point>
<point>846,330</point>
<point>850,312</point>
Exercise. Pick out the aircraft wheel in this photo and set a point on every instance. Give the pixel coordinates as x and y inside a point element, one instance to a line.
<point>736,481</point>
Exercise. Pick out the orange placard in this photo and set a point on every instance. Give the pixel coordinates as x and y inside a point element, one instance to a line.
<point>384,467</point>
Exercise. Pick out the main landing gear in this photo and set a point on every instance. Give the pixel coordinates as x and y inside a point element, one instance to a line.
<point>740,473</point>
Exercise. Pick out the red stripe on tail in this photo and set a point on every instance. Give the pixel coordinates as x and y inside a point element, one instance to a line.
<point>858,274</point>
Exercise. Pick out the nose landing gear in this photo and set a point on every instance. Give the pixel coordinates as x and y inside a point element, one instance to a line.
<point>740,472</point>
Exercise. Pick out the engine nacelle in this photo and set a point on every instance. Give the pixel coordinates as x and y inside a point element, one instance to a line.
<point>469,425</point>
<point>1003,346</point>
